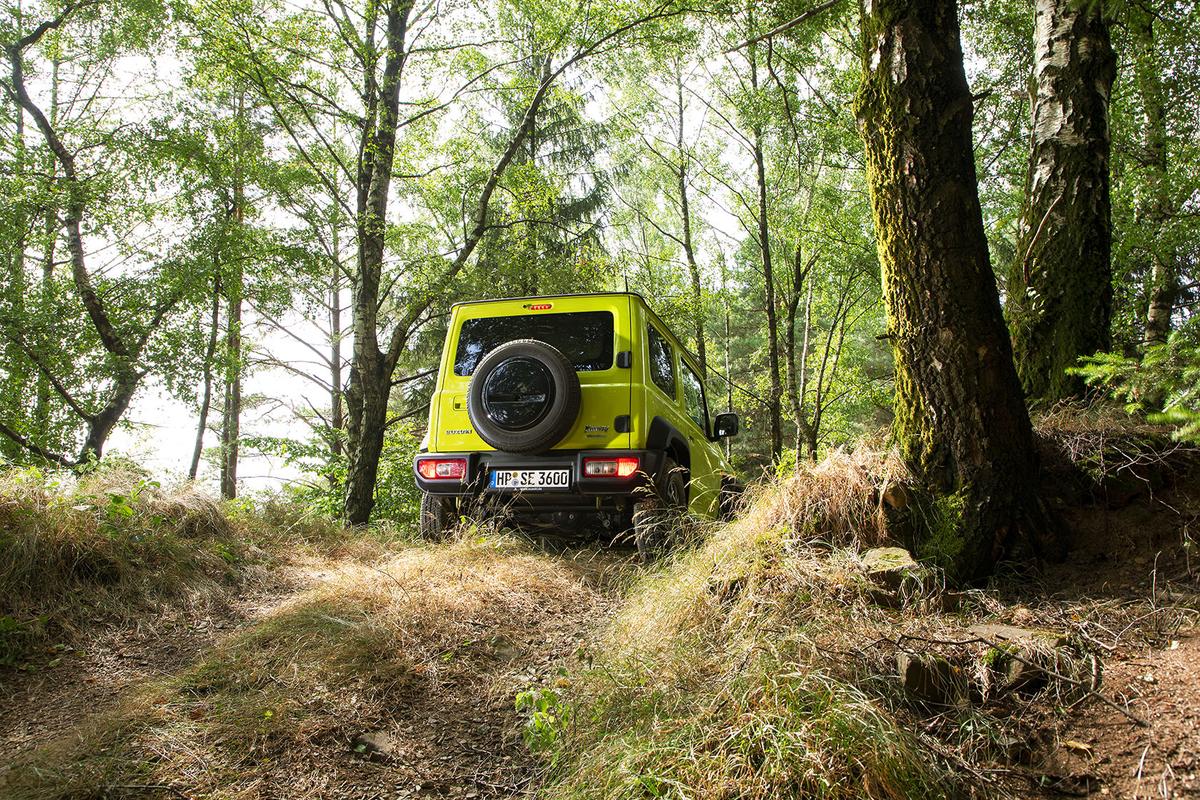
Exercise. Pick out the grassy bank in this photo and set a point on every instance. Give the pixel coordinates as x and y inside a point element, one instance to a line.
<point>723,675</point>
<point>771,661</point>
<point>113,544</point>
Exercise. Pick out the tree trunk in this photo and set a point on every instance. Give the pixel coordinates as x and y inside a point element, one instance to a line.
<point>1061,284</point>
<point>370,373</point>
<point>772,316</point>
<point>210,353</point>
<point>41,407</point>
<point>689,249</point>
<point>728,339</point>
<point>15,380</point>
<point>336,415</point>
<point>1157,210</point>
<point>231,421</point>
<point>961,421</point>
<point>235,290</point>
<point>764,243</point>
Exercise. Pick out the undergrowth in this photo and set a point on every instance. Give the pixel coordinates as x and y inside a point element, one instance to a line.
<point>113,543</point>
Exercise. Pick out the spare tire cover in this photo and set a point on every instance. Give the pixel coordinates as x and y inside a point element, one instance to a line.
<point>524,397</point>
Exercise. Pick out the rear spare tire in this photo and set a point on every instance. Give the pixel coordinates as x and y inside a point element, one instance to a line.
<point>524,397</point>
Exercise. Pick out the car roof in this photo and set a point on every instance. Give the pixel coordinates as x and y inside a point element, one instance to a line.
<point>683,349</point>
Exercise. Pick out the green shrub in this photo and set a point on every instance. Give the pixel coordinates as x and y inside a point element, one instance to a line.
<point>1163,385</point>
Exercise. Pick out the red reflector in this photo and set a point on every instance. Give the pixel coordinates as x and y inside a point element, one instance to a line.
<point>621,467</point>
<point>433,469</point>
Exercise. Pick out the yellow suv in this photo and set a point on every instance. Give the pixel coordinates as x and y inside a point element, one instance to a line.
<point>573,412</point>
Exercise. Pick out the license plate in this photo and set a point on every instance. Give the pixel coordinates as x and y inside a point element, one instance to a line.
<point>530,480</point>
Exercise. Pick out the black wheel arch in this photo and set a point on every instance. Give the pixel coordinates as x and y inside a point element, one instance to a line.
<point>665,437</point>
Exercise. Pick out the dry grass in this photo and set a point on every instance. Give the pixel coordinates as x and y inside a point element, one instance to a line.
<point>346,657</point>
<point>835,500</point>
<point>112,544</point>
<point>721,675</point>
<point>1099,440</point>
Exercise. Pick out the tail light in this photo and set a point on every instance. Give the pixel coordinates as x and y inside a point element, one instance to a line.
<point>442,469</point>
<point>621,467</point>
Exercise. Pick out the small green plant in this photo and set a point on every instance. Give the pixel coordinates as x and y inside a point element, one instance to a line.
<point>547,717</point>
<point>1164,384</point>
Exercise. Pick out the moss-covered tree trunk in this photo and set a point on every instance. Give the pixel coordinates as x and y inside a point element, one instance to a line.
<point>1060,288</point>
<point>961,421</point>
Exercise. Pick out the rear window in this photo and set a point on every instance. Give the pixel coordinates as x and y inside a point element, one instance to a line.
<point>584,337</point>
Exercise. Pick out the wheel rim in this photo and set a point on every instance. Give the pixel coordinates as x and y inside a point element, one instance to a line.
<point>674,495</point>
<point>518,393</point>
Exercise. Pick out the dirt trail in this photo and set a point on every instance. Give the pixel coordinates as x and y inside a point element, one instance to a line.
<point>462,738</point>
<point>1136,565</point>
<point>52,695</point>
<point>459,735</point>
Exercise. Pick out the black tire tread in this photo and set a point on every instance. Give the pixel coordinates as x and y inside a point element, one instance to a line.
<point>436,518</point>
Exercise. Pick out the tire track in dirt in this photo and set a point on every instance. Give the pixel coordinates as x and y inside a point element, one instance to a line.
<point>459,735</point>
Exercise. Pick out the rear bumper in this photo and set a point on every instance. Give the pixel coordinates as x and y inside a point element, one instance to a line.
<point>581,492</point>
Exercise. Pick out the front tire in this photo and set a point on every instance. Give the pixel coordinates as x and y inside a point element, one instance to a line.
<point>438,517</point>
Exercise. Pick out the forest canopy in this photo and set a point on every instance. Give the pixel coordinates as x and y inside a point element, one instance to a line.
<point>264,209</point>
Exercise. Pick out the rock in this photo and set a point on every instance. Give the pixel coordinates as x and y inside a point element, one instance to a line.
<point>889,566</point>
<point>1021,656</point>
<point>1038,637</point>
<point>932,679</point>
<point>375,746</point>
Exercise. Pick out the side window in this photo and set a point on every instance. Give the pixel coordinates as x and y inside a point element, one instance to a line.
<point>693,397</point>
<point>662,361</point>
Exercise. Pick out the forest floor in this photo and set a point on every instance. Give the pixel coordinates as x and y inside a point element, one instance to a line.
<point>1139,563</point>
<point>481,623</point>
<point>392,673</point>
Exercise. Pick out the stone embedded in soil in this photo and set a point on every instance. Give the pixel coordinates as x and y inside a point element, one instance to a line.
<point>889,566</point>
<point>932,679</point>
<point>375,745</point>
<point>997,632</point>
<point>1024,654</point>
